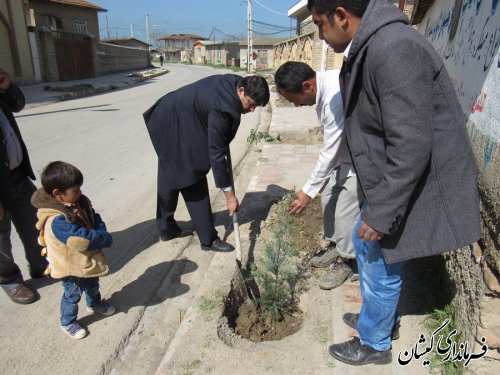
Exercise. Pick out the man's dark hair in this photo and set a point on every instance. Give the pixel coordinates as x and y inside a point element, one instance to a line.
<point>290,76</point>
<point>256,87</point>
<point>60,175</point>
<point>355,7</point>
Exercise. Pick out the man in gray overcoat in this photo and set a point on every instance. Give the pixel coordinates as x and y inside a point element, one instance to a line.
<point>408,142</point>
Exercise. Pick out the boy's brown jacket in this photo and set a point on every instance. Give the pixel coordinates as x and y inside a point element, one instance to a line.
<point>73,257</point>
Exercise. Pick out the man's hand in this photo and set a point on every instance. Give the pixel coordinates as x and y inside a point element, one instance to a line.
<point>367,233</point>
<point>2,212</point>
<point>232,202</point>
<point>300,203</point>
<point>5,80</point>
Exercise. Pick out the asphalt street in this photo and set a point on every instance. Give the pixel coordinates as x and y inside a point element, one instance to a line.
<point>105,136</point>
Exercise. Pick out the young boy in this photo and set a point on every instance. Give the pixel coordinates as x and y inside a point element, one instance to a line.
<point>73,235</point>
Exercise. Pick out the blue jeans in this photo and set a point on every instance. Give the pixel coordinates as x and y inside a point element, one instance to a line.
<point>73,287</point>
<point>380,289</point>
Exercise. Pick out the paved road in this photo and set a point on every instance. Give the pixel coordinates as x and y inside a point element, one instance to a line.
<point>151,283</point>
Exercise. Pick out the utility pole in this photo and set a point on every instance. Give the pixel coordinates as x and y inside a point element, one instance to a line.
<point>107,25</point>
<point>132,29</point>
<point>250,47</point>
<point>147,31</point>
<point>213,51</point>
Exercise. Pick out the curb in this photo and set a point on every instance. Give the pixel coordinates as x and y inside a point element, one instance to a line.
<point>114,86</point>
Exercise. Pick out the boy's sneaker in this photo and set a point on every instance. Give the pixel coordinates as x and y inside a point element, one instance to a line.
<point>74,330</point>
<point>103,308</point>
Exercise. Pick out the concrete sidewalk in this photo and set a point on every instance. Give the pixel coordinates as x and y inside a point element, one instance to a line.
<point>197,347</point>
<point>50,92</point>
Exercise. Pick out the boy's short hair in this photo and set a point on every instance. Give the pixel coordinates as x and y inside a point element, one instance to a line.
<point>290,76</point>
<point>60,175</point>
<point>256,87</point>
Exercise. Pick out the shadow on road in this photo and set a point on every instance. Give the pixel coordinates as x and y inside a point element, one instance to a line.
<point>164,278</point>
<point>129,242</point>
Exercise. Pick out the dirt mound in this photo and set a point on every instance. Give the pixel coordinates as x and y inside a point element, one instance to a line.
<point>249,320</point>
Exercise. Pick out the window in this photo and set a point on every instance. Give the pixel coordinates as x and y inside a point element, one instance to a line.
<point>55,23</point>
<point>80,27</point>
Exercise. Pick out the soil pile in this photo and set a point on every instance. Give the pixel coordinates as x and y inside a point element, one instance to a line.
<point>252,321</point>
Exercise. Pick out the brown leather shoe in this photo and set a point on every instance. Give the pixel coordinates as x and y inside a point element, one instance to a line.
<point>21,294</point>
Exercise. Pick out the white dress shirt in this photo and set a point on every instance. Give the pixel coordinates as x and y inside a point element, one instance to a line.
<point>330,111</point>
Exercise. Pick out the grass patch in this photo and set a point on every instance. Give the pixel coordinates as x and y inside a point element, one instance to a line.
<point>210,304</point>
<point>257,136</point>
<point>189,367</point>
<point>444,362</point>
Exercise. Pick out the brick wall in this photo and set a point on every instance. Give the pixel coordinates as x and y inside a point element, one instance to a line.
<point>47,54</point>
<point>110,58</point>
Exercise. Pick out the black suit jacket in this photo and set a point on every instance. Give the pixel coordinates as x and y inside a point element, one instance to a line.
<point>191,129</point>
<point>11,100</point>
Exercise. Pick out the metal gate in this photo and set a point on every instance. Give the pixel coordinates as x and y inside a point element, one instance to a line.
<point>74,56</point>
<point>262,62</point>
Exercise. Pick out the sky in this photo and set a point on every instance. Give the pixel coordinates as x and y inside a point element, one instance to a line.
<point>228,17</point>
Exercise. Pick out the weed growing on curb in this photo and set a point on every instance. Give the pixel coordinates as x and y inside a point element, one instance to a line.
<point>256,136</point>
<point>209,304</point>
<point>278,270</point>
<point>435,319</point>
<point>189,367</point>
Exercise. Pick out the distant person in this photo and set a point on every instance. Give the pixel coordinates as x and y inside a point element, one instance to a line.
<point>73,234</point>
<point>191,129</point>
<point>161,60</point>
<point>408,142</point>
<point>298,83</point>
<point>16,189</point>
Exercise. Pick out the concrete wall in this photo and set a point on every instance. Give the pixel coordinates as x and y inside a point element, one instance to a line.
<point>111,58</point>
<point>472,60</point>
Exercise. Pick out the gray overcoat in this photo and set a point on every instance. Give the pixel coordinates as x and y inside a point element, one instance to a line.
<point>408,142</point>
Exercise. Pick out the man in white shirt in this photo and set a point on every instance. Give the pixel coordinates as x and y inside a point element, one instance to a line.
<point>298,83</point>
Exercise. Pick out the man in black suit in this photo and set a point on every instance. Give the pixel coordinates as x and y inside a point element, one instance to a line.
<point>191,129</point>
<point>16,189</point>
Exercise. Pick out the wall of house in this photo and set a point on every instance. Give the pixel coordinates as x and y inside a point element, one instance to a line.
<point>111,58</point>
<point>25,71</point>
<point>472,60</point>
<point>199,55</point>
<point>67,14</point>
<point>178,44</point>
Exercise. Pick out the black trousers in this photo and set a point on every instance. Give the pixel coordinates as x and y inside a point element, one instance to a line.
<point>23,215</point>
<point>197,200</point>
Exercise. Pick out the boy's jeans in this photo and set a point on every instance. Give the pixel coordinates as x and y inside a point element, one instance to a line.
<point>73,287</point>
<point>380,289</point>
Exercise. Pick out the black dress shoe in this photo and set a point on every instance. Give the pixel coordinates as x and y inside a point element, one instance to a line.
<point>167,236</point>
<point>21,294</point>
<point>219,245</point>
<point>352,321</point>
<point>355,353</point>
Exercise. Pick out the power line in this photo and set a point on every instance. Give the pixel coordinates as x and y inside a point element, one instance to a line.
<point>263,6</point>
